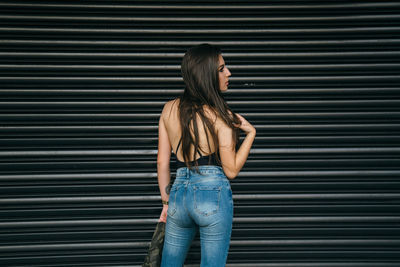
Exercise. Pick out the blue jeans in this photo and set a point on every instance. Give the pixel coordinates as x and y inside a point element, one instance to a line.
<point>199,200</point>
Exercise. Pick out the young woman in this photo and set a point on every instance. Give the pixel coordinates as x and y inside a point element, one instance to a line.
<point>204,134</point>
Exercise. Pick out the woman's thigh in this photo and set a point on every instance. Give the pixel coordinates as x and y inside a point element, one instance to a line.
<point>177,242</point>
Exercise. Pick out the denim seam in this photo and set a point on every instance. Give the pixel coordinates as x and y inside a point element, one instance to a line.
<point>184,195</point>
<point>173,210</point>
<point>207,180</point>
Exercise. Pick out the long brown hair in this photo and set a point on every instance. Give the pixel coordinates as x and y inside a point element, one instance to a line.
<point>199,70</point>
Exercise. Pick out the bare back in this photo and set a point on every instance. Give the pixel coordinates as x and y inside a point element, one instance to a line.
<point>171,121</point>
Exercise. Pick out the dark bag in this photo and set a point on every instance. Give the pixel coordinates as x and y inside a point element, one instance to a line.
<point>153,257</point>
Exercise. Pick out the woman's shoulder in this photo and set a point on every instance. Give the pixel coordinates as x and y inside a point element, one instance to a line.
<point>215,118</point>
<point>171,103</point>
<point>169,108</point>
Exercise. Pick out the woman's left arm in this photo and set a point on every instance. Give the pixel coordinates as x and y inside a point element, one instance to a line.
<point>163,160</point>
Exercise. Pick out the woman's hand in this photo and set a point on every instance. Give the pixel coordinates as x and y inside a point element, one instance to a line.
<point>163,217</point>
<point>245,125</point>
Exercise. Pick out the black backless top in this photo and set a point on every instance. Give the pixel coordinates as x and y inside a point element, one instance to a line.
<point>203,160</point>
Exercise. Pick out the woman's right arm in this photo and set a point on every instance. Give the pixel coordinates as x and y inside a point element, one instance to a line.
<point>232,161</point>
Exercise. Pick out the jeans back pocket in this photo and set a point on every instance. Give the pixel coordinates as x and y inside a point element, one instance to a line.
<point>206,199</point>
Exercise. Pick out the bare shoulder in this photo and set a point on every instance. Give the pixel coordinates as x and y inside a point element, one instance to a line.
<point>171,103</point>
<point>215,118</point>
<point>168,106</point>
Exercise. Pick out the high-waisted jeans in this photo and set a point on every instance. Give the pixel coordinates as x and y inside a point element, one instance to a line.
<point>199,200</point>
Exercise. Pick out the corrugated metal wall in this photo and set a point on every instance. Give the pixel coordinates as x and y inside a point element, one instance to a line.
<point>82,88</point>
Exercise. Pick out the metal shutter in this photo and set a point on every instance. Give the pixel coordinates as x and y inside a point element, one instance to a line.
<point>82,87</point>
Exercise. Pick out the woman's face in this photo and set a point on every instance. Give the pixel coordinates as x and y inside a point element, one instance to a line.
<point>224,73</point>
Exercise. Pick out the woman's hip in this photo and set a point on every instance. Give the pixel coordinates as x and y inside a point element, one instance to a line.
<point>206,194</point>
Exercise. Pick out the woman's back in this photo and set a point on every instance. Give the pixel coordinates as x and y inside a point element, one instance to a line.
<point>175,132</point>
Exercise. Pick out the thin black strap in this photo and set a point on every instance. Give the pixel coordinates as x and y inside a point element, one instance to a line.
<point>199,152</point>
<point>176,151</point>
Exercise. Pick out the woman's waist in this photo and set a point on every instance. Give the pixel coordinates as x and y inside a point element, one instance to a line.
<point>203,160</point>
<point>204,172</point>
